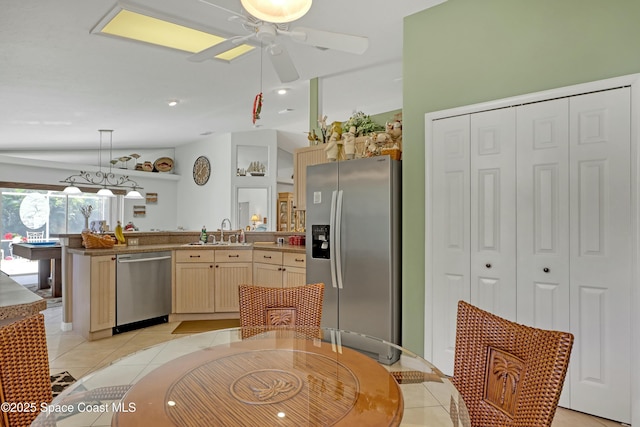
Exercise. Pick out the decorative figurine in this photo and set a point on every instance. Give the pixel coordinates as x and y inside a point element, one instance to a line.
<point>334,144</point>
<point>349,143</point>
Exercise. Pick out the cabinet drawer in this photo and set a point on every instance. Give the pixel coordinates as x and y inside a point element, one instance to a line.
<point>267,257</point>
<point>226,255</point>
<point>203,255</point>
<point>294,260</point>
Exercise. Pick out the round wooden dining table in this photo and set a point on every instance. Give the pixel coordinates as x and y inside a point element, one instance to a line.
<point>271,378</point>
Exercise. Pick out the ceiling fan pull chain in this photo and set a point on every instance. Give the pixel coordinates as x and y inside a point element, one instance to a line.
<point>257,101</point>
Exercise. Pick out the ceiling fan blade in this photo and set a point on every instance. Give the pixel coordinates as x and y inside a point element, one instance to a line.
<point>217,49</point>
<point>328,40</point>
<point>282,63</point>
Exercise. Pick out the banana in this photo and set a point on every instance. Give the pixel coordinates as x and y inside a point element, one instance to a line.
<point>118,233</point>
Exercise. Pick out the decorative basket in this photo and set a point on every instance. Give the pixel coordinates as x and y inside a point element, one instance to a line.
<point>394,153</point>
<point>94,241</point>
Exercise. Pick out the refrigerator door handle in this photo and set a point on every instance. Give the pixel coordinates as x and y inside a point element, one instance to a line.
<point>337,244</point>
<point>332,240</point>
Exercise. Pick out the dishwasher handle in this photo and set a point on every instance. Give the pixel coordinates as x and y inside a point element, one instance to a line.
<point>128,261</point>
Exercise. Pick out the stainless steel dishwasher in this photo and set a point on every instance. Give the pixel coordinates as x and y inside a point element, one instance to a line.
<point>143,290</point>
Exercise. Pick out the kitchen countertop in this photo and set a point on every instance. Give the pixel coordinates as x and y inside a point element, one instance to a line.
<point>124,249</point>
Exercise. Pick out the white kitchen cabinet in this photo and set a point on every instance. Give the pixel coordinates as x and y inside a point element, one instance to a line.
<point>531,219</point>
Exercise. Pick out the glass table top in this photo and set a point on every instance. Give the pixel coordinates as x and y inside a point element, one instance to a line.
<point>283,377</point>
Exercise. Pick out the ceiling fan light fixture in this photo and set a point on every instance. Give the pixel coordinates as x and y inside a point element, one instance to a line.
<point>277,11</point>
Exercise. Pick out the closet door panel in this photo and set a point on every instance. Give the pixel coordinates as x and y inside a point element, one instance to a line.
<point>493,202</point>
<point>543,214</point>
<point>600,252</point>
<point>450,233</point>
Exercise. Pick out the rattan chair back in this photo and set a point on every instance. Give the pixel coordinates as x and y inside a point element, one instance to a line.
<point>508,374</point>
<point>263,308</point>
<point>24,369</point>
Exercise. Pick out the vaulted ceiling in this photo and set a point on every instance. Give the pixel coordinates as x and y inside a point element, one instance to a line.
<point>59,83</point>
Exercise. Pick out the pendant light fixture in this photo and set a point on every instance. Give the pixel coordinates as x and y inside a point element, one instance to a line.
<point>277,11</point>
<point>107,181</point>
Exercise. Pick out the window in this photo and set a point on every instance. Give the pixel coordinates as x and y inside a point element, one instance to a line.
<point>52,212</point>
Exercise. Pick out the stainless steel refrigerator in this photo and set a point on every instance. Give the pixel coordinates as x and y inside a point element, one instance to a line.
<point>354,247</point>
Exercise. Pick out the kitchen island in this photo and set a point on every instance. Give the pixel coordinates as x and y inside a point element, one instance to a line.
<point>204,277</point>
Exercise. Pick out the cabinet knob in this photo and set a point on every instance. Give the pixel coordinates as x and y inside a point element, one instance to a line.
<point>113,258</point>
<point>546,269</point>
<point>487,265</point>
<point>216,266</point>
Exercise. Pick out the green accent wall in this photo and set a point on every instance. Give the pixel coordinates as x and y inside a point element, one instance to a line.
<point>469,51</point>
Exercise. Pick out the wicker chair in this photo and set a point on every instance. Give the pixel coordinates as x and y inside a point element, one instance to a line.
<point>508,374</point>
<point>263,308</point>
<point>24,367</point>
<point>25,376</point>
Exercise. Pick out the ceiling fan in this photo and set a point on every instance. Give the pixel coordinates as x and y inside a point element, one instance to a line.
<point>266,34</point>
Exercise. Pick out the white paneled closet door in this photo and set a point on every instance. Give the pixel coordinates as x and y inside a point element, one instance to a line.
<point>493,211</point>
<point>543,218</point>
<point>543,214</point>
<point>451,237</point>
<point>600,248</point>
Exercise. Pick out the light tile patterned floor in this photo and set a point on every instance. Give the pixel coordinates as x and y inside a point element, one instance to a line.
<point>68,351</point>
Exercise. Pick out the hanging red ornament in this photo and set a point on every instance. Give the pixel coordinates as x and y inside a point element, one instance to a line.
<point>257,107</point>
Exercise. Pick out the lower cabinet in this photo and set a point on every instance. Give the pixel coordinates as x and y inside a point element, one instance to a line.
<point>93,281</point>
<point>207,280</point>
<point>195,278</point>
<point>232,269</point>
<point>278,269</point>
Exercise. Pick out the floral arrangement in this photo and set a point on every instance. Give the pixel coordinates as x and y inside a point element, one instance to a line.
<point>363,123</point>
<point>14,237</point>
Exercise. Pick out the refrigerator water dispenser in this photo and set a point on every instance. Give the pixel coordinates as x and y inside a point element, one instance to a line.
<point>320,247</point>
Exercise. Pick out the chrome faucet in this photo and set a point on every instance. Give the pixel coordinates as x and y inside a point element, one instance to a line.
<point>227,220</point>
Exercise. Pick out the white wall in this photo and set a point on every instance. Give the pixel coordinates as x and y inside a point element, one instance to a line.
<point>208,204</point>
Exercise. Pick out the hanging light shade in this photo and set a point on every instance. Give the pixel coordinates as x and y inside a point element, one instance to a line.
<point>105,192</point>
<point>133,194</point>
<point>277,11</point>
<point>72,189</point>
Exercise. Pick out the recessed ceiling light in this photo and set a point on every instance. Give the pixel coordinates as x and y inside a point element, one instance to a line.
<point>173,103</point>
<point>282,91</point>
<point>285,111</point>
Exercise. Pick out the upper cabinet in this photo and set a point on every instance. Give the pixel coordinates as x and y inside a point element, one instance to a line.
<point>302,158</point>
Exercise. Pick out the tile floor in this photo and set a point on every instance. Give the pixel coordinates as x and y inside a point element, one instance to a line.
<point>68,351</point>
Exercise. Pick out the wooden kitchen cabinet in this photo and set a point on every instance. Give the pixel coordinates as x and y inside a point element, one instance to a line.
<point>278,269</point>
<point>232,269</point>
<point>93,283</point>
<point>286,218</point>
<point>103,292</point>
<point>303,157</point>
<point>195,279</point>
<point>294,269</point>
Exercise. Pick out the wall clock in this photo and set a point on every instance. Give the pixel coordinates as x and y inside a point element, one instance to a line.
<point>34,210</point>
<point>201,170</point>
